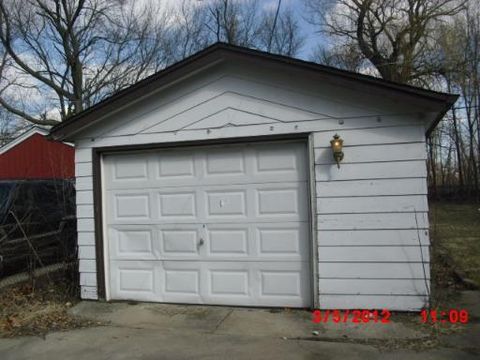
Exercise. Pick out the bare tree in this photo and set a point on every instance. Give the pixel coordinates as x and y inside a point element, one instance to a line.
<point>9,126</point>
<point>59,57</point>
<point>244,23</point>
<point>459,59</point>
<point>280,33</point>
<point>69,54</point>
<point>233,22</point>
<point>344,56</point>
<point>190,33</point>
<point>393,34</point>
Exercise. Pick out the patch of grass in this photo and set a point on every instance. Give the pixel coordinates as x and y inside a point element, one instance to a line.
<point>455,233</point>
<point>28,311</point>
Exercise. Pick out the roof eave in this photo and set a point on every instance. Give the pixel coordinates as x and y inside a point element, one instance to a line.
<point>449,102</point>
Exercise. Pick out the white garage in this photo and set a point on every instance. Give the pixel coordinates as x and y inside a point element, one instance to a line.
<point>214,181</point>
<point>209,225</point>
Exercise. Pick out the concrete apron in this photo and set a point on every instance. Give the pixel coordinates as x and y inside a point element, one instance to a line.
<point>219,320</point>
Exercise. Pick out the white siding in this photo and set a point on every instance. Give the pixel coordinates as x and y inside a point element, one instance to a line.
<point>371,223</point>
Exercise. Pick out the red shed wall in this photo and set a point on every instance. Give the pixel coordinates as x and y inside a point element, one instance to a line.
<point>38,158</point>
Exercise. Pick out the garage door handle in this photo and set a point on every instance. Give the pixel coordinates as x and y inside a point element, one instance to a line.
<point>200,242</point>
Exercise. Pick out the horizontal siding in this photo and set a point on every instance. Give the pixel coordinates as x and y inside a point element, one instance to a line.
<point>373,187</point>
<point>84,197</point>
<point>373,286</point>
<point>372,221</point>
<point>88,279</point>
<point>89,293</point>
<point>372,204</point>
<point>83,169</point>
<point>86,238</point>
<point>403,254</point>
<point>368,242</point>
<point>86,252</point>
<point>350,270</point>
<point>230,132</point>
<point>83,155</point>
<point>376,170</point>
<point>379,135</point>
<point>84,211</point>
<point>374,238</point>
<point>389,302</point>
<point>85,224</point>
<point>373,153</point>
<point>84,183</point>
<point>88,266</point>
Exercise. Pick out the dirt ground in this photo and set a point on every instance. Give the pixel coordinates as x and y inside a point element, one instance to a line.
<point>25,310</point>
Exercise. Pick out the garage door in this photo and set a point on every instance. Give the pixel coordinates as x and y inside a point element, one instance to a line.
<point>209,225</point>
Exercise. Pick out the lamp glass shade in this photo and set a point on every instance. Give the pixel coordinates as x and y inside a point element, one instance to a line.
<point>336,143</point>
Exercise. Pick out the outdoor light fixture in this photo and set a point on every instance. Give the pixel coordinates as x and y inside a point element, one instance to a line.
<point>336,143</point>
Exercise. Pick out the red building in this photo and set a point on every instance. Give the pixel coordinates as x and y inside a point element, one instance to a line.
<point>33,156</point>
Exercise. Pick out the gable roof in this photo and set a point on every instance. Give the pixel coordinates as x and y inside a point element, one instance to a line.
<point>22,137</point>
<point>222,51</point>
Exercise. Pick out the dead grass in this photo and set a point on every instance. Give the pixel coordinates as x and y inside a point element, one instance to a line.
<point>455,232</point>
<point>28,311</point>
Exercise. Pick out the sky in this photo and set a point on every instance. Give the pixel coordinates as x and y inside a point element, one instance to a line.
<point>312,37</point>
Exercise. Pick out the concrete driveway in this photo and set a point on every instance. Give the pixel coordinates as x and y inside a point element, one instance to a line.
<point>159,331</point>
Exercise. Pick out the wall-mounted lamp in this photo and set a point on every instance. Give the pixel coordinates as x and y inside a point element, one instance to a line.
<point>337,143</point>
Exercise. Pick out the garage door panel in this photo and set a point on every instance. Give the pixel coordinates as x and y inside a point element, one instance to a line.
<point>217,166</point>
<point>246,203</point>
<point>257,283</point>
<point>136,280</point>
<point>132,206</point>
<point>282,161</point>
<point>179,242</point>
<point>176,166</point>
<point>129,206</point>
<point>260,242</point>
<point>277,202</point>
<point>128,169</point>
<point>281,283</point>
<point>178,204</point>
<point>227,282</point>
<point>225,162</point>
<point>182,282</point>
<point>210,225</point>
<point>230,241</point>
<point>172,183</point>
<point>226,203</point>
<point>238,283</point>
<point>138,243</point>
<point>288,201</point>
<point>285,283</point>
<point>282,242</point>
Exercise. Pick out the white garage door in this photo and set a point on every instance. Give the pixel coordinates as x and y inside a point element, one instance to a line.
<point>209,225</point>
